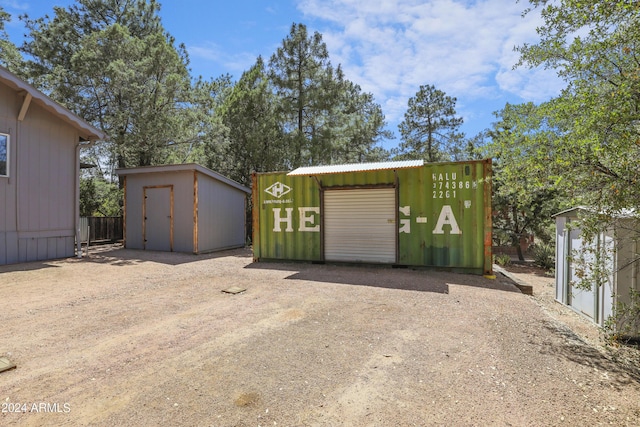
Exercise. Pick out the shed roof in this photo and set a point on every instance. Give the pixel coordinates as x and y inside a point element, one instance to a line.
<point>182,168</point>
<point>356,167</point>
<point>572,212</point>
<point>86,130</point>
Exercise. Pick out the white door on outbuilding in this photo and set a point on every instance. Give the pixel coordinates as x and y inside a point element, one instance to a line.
<point>360,225</point>
<point>582,300</point>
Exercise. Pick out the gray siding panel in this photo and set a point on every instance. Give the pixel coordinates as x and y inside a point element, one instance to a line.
<point>6,206</point>
<point>52,247</point>
<point>31,253</point>
<point>3,248</point>
<point>133,219</point>
<point>7,200</point>
<point>11,239</point>
<point>46,173</point>
<point>9,106</point>
<point>183,212</point>
<point>8,125</point>
<point>221,215</point>
<point>22,250</point>
<point>46,187</point>
<point>561,257</point>
<point>65,247</point>
<point>43,249</point>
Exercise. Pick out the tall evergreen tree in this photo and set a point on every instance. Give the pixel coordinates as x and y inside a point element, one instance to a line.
<point>359,128</point>
<point>307,87</point>
<point>206,135</point>
<point>10,57</point>
<point>430,127</point>
<point>325,117</point>
<point>111,62</point>
<point>257,142</point>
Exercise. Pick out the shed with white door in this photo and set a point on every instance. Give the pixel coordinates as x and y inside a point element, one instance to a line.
<point>614,250</point>
<point>182,208</point>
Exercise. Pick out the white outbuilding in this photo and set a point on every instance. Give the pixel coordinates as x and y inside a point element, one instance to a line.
<point>614,250</point>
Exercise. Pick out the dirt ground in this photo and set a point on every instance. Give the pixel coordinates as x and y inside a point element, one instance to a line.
<point>134,338</point>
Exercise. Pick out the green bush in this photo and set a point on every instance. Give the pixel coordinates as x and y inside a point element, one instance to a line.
<point>624,326</point>
<point>502,259</point>
<point>544,255</point>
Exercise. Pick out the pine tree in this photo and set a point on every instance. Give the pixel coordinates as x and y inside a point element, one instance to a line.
<point>430,127</point>
<point>112,63</point>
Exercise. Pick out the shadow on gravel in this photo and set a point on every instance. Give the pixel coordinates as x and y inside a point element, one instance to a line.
<point>525,267</point>
<point>383,277</point>
<point>573,348</point>
<point>119,256</point>
<point>26,266</point>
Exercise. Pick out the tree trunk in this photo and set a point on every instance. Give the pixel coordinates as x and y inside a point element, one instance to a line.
<point>519,250</point>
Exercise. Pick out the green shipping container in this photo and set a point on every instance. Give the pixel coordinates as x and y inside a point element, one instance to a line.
<point>399,213</point>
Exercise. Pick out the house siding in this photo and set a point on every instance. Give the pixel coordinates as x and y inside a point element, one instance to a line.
<point>8,226</point>
<point>38,196</point>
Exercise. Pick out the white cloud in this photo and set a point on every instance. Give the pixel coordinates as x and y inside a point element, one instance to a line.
<point>391,47</point>
<point>233,63</point>
<point>15,5</point>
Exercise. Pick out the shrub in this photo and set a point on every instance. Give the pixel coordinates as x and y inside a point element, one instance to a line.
<point>502,259</point>
<point>624,326</point>
<point>544,255</point>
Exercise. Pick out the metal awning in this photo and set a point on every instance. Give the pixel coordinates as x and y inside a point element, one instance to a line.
<point>356,167</point>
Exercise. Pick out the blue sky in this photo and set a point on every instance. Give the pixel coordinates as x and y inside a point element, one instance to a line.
<point>388,47</point>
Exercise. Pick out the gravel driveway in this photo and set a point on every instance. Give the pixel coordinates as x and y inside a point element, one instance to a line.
<point>133,338</point>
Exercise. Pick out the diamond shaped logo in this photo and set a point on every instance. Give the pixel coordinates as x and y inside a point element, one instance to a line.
<point>278,189</point>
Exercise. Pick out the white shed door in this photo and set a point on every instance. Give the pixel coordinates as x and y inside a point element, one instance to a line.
<point>360,225</point>
<point>582,300</point>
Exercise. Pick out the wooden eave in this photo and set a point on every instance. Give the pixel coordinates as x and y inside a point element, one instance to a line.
<point>32,95</point>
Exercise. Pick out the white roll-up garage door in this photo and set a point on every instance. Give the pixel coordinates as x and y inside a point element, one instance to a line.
<point>360,225</point>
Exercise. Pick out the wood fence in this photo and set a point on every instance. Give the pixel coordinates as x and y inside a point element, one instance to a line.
<point>101,229</point>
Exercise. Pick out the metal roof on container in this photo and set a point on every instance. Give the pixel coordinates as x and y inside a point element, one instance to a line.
<point>356,167</point>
